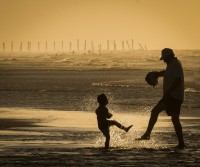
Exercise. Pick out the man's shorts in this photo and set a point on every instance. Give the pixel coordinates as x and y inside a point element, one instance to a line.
<point>172,106</point>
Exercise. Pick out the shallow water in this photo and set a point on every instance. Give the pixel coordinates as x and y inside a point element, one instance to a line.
<point>36,80</point>
<point>77,90</point>
<point>100,157</point>
<point>82,150</point>
<point>46,143</point>
<point>71,83</point>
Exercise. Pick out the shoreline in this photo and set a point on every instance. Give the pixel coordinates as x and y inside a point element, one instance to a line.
<point>34,137</point>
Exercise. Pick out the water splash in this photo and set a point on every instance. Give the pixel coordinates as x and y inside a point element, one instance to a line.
<point>120,139</point>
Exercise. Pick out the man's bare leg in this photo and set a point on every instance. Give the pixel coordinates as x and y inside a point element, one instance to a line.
<point>153,119</point>
<point>178,130</point>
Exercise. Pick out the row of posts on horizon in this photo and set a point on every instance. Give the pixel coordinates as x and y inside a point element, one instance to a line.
<point>125,45</point>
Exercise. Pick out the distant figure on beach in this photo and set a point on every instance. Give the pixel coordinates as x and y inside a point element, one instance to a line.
<point>102,117</point>
<point>173,95</point>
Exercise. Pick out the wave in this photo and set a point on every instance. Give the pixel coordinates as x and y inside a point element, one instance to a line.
<point>65,60</point>
<point>191,90</point>
<point>9,59</point>
<point>122,83</point>
<point>133,60</point>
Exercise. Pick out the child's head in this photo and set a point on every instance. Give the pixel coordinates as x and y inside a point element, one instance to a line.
<point>102,99</point>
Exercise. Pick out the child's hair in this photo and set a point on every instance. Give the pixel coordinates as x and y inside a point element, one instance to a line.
<point>102,99</point>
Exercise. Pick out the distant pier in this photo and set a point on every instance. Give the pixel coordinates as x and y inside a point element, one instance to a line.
<point>82,46</point>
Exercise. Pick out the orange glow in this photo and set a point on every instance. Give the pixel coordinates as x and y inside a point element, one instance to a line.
<point>157,23</point>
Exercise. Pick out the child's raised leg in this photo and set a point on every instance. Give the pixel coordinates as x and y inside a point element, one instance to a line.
<point>113,122</point>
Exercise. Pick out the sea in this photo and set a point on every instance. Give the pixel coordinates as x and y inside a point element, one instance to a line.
<point>63,81</point>
<point>72,82</point>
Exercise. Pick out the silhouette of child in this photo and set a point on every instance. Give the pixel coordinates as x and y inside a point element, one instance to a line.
<point>102,118</point>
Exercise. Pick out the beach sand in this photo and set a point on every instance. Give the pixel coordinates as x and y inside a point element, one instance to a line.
<point>33,137</point>
<point>47,106</point>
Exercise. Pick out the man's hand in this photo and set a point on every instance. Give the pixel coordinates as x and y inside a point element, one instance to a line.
<point>152,78</point>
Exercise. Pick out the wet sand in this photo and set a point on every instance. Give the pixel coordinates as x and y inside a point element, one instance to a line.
<point>30,137</point>
<point>47,111</point>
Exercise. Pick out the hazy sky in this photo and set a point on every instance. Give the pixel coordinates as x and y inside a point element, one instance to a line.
<point>156,23</point>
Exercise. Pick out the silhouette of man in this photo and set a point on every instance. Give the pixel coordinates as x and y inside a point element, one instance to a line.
<point>173,95</point>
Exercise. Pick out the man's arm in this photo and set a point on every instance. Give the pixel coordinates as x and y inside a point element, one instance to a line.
<point>161,73</point>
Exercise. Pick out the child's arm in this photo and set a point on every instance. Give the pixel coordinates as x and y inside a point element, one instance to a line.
<point>109,115</point>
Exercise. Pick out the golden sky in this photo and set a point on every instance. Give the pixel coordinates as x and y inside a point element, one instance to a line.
<point>156,23</point>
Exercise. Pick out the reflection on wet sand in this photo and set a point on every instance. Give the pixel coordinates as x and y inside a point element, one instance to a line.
<point>39,138</point>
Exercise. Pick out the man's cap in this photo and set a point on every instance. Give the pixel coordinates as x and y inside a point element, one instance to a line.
<point>166,52</point>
